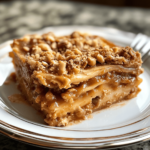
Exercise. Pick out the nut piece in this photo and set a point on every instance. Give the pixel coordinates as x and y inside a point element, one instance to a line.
<point>95,43</point>
<point>59,56</point>
<point>69,45</point>
<point>88,42</point>
<point>76,69</point>
<point>49,38</point>
<point>31,62</point>
<point>26,49</point>
<point>37,50</point>
<point>64,43</point>
<point>100,58</point>
<point>37,56</point>
<point>54,45</point>
<point>44,47</point>
<point>86,47</point>
<point>62,67</point>
<point>116,49</point>
<point>68,52</point>
<point>49,96</point>
<point>75,34</point>
<point>79,44</point>
<point>77,52</point>
<point>44,63</point>
<point>26,38</point>
<point>36,36</point>
<point>91,61</point>
<point>38,99</point>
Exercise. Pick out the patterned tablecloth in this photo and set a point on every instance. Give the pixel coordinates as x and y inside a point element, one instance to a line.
<point>20,17</point>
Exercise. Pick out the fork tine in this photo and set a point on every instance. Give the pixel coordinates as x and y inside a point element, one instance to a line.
<point>145,56</point>
<point>141,43</point>
<point>136,40</point>
<point>146,46</point>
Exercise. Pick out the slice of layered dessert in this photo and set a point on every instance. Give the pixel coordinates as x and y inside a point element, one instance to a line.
<point>69,77</point>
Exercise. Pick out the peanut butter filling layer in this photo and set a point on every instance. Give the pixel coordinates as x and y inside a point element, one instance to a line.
<point>100,97</point>
<point>66,81</point>
<point>59,107</point>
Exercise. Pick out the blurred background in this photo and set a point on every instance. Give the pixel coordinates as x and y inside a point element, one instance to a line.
<point>21,17</point>
<point>119,3</point>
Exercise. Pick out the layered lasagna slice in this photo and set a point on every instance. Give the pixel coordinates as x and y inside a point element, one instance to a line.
<point>69,77</point>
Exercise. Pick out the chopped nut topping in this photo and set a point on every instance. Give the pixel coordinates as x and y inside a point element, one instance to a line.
<point>72,53</point>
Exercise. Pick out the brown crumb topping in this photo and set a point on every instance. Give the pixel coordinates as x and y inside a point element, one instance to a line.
<point>72,53</point>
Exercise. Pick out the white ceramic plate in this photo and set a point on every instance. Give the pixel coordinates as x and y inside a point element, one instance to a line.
<point>122,124</point>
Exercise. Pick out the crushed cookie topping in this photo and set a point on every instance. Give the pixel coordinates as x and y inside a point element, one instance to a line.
<point>72,53</point>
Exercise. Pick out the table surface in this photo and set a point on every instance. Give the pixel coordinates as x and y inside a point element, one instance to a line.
<point>20,17</point>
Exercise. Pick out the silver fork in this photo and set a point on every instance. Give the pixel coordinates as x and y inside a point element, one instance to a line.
<point>141,43</point>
